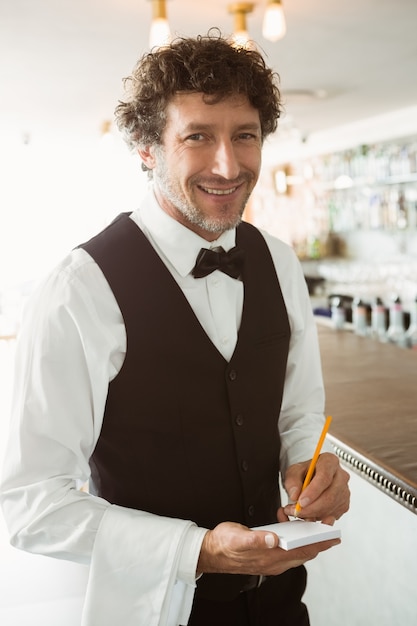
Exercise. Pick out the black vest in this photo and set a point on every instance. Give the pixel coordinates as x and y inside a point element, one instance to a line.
<point>186,434</point>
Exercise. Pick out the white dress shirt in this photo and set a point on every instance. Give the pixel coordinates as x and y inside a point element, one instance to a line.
<point>71,344</point>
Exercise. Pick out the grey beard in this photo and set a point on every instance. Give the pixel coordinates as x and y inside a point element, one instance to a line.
<point>210,225</point>
<point>192,215</point>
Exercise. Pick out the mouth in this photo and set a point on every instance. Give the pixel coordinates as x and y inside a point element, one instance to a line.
<point>218,192</point>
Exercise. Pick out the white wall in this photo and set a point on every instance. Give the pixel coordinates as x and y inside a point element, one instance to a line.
<point>56,192</point>
<point>34,590</point>
<point>370,579</point>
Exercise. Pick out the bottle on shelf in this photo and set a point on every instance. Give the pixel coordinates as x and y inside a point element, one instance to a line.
<point>360,317</point>
<point>411,333</point>
<point>378,320</point>
<point>338,314</point>
<point>396,331</point>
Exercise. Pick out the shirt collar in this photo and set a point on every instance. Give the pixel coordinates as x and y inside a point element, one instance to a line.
<point>176,243</point>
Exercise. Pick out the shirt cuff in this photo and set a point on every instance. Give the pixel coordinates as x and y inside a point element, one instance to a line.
<point>190,552</point>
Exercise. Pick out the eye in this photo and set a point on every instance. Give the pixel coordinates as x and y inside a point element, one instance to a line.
<point>247,136</point>
<point>195,137</point>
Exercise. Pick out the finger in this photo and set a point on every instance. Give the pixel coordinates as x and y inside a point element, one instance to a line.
<point>282,516</point>
<point>326,473</point>
<point>294,480</point>
<point>333,502</point>
<point>266,540</point>
<point>322,546</point>
<point>289,511</point>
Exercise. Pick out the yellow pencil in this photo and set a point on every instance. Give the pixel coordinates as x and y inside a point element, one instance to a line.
<point>313,463</point>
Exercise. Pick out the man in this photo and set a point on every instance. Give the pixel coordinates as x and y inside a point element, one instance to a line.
<point>186,387</point>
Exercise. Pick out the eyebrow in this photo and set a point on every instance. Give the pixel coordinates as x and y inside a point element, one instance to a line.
<point>195,126</point>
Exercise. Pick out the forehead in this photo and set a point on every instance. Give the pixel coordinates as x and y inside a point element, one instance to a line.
<point>192,108</point>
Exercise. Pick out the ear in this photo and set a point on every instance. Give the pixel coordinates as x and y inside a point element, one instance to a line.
<point>147,155</point>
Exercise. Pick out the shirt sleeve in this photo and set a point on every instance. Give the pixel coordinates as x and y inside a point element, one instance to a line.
<point>302,412</point>
<point>71,344</point>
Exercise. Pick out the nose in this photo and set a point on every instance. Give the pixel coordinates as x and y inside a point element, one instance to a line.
<point>225,162</point>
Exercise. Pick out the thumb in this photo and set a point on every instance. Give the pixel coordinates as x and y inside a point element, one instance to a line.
<point>267,539</point>
<point>294,480</point>
<point>271,540</point>
<point>293,491</point>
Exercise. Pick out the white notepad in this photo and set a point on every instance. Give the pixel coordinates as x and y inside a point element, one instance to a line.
<point>299,533</point>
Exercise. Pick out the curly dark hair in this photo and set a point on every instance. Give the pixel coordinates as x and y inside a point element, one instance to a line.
<point>207,64</point>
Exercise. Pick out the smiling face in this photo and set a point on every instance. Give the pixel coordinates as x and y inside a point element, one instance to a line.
<point>208,162</point>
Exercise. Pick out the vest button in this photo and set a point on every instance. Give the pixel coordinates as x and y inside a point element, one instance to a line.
<point>239,420</point>
<point>245,466</point>
<point>232,375</point>
<point>251,510</point>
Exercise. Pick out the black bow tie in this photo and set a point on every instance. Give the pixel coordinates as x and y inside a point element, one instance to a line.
<point>230,263</point>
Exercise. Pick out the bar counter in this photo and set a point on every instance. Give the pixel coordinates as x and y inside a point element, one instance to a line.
<point>371,393</point>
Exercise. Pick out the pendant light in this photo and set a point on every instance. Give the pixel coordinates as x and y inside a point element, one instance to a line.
<point>274,26</point>
<point>240,32</point>
<point>160,33</point>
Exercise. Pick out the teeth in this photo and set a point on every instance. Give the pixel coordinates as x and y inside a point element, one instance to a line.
<point>220,192</point>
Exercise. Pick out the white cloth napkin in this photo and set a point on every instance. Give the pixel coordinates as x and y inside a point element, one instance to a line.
<point>133,572</point>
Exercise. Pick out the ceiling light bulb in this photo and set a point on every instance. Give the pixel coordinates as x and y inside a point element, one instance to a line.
<point>160,33</point>
<point>274,26</point>
<point>240,33</point>
<point>240,39</point>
